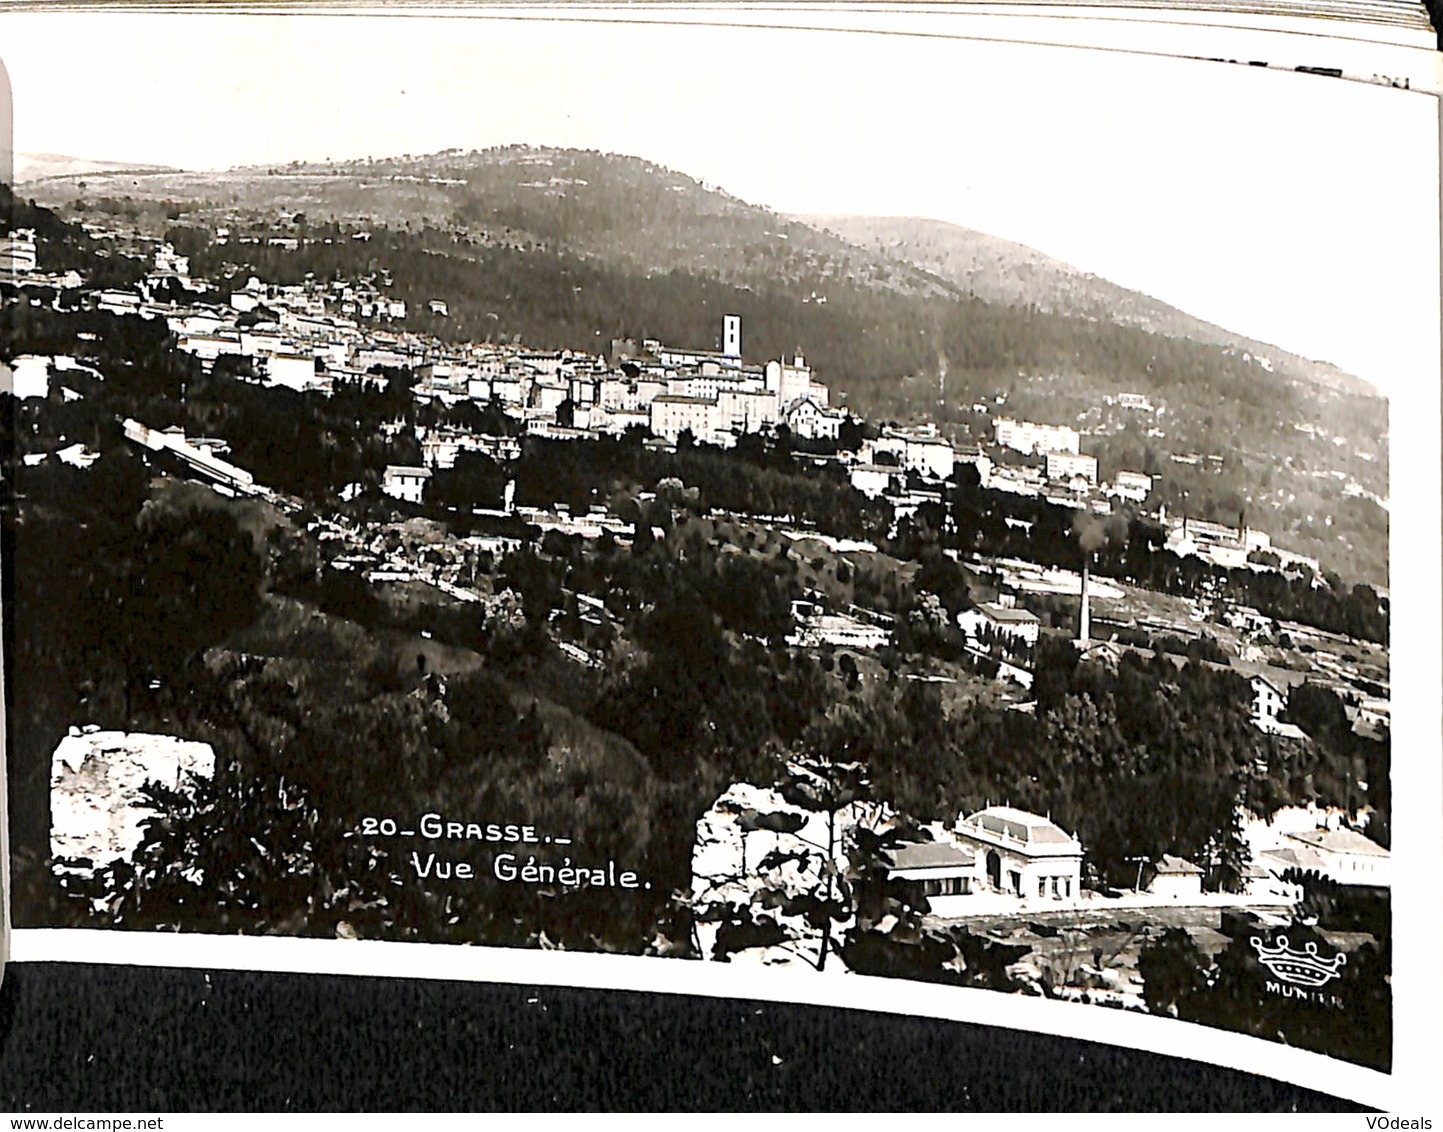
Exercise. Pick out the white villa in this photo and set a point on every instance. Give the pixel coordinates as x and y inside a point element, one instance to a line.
<point>402,482</point>
<point>1022,853</point>
<point>1071,465</point>
<point>873,480</point>
<point>1136,486</point>
<point>1001,619</point>
<point>1268,703</point>
<point>990,860</point>
<point>1341,854</point>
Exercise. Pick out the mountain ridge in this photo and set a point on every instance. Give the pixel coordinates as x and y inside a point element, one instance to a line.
<point>1001,270</point>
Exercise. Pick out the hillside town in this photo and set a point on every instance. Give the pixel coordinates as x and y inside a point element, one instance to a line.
<point>314,336</point>
<point>317,336</point>
<point>982,623</point>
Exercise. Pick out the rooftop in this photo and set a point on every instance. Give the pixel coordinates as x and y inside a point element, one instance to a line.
<point>678,399</point>
<point>931,855</point>
<point>1286,731</point>
<point>1281,679</point>
<point>1340,841</point>
<point>1302,858</point>
<point>1003,613</point>
<point>1020,825</point>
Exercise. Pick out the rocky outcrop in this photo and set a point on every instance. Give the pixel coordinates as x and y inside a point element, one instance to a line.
<point>98,804</point>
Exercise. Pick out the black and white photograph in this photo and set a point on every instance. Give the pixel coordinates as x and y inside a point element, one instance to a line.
<point>855,508</point>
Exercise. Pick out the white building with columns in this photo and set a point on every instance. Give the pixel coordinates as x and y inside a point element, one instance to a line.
<point>1022,854</point>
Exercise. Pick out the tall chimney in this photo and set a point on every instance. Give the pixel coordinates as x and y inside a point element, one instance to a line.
<point>1085,620</point>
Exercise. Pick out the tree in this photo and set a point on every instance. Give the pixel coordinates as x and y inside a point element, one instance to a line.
<point>1234,856</point>
<point>851,434</point>
<point>824,775</point>
<point>1349,1017</point>
<point>800,890</point>
<point>942,576</point>
<point>193,579</point>
<point>1173,971</point>
<point>475,480</point>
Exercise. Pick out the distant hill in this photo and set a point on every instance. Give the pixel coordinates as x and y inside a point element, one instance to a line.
<point>1001,271</point>
<point>38,166</point>
<point>609,207</point>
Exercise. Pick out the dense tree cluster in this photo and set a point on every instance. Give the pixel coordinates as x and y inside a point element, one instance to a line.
<point>115,591</point>
<point>1351,1019</point>
<point>1150,758</point>
<point>1341,757</point>
<point>757,478</point>
<point>61,246</point>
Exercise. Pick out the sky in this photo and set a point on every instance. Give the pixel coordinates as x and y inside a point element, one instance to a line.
<point>1294,209</point>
